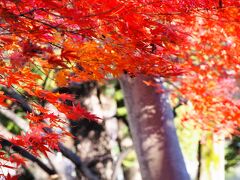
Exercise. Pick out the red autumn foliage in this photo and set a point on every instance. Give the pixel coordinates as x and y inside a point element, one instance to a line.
<point>98,39</point>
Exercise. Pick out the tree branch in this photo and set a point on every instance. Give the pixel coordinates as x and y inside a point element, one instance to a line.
<point>64,150</point>
<point>24,153</point>
<point>13,117</point>
<point>77,161</point>
<point>119,161</point>
<point>20,99</point>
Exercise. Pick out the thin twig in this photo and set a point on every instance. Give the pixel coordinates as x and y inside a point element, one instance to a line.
<point>119,161</point>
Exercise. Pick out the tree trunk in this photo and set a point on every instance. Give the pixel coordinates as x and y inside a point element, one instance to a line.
<point>213,158</point>
<point>151,123</point>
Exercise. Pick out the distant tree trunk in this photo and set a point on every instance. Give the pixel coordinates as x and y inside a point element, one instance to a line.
<point>213,158</point>
<point>199,157</point>
<point>151,123</point>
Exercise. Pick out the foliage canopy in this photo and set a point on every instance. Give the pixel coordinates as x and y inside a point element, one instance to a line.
<point>86,40</point>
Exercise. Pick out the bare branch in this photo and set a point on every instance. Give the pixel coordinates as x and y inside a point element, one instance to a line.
<point>119,161</point>
<point>77,161</point>
<point>12,116</point>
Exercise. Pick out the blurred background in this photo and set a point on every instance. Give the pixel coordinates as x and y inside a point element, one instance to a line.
<point>106,149</point>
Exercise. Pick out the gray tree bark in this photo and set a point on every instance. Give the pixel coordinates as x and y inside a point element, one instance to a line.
<point>151,123</point>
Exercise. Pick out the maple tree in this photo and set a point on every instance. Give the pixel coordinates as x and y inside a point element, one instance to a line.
<point>79,41</point>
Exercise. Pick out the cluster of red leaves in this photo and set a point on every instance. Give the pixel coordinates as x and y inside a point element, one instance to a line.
<point>213,61</point>
<point>36,141</point>
<point>98,39</point>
